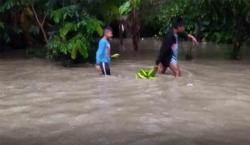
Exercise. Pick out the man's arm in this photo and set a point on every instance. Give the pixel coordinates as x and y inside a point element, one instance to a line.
<point>189,37</point>
<point>193,39</point>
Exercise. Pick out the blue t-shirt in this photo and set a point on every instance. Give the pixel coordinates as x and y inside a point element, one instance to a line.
<point>103,52</point>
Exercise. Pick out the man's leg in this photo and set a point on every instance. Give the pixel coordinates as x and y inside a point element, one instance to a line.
<point>179,69</point>
<point>161,69</point>
<point>176,70</point>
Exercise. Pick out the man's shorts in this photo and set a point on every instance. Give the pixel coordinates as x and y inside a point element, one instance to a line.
<point>174,61</point>
<point>105,68</point>
<point>165,62</point>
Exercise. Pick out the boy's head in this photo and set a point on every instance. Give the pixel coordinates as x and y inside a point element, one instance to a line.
<point>178,25</point>
<point>108,32</point>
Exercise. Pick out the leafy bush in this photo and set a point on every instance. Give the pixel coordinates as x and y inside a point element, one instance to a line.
<point>75,30</point>
<point>226,21</point>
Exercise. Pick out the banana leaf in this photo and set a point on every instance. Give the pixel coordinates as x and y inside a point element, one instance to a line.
<point>146,74</point>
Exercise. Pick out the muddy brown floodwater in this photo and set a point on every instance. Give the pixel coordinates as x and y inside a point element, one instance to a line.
<point>43,103</point>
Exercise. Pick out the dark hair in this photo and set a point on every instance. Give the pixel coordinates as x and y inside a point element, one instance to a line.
<point>177,22</point>
<point>108,28</point>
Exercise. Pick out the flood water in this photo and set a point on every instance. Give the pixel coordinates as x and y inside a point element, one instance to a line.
<point>43,103</point>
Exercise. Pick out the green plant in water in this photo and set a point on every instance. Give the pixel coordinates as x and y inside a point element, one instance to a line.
<point>146,74</point>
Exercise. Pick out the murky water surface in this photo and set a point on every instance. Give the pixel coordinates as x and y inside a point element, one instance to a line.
<point>42,103</point>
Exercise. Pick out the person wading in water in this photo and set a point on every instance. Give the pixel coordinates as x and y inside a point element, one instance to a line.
<point>168,55</point>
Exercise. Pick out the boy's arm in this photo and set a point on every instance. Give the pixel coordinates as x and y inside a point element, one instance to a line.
<point>101,47</point>
<point>100,50</point>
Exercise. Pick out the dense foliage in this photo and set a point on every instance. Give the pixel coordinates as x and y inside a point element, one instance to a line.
<point>65,27</point>
<point>74,31</point>
<point>226,21</point>
<point>70,27</point>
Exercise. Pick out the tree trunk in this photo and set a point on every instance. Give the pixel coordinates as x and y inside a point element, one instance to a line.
<point>236,51</point>
<point>24,24</point>
<point>122,31</point>
<point>240,33</point>
<point>135,30</point>
<point>189,55</point>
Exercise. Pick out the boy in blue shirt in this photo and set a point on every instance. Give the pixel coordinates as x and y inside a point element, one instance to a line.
<point>103,53</point>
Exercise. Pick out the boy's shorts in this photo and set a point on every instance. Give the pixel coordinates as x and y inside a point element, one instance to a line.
<point>105,68</point>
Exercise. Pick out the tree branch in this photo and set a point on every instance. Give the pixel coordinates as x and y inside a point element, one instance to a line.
<point>44,18</point>
<point>40,24</point>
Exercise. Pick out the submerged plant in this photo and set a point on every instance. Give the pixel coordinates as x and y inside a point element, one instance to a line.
<point>146,74</point>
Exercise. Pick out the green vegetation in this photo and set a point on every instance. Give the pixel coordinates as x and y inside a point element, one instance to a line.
<point>226,21</point>
<point>70,28</point>
<point>146,74</point>
<point>75,31</point>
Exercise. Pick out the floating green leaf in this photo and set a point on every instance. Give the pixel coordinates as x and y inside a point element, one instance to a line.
<point>146,74</point>
<point>115,56</point>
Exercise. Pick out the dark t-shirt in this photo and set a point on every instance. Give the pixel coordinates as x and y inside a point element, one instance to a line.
<point>166,51</point>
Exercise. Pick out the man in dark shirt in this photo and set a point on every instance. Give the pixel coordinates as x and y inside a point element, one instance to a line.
<point>168,56</point>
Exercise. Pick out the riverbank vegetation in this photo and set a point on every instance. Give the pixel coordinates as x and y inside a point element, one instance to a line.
<point>70,28</point>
